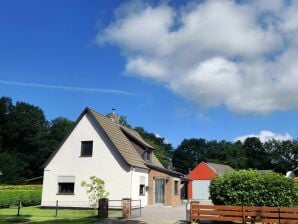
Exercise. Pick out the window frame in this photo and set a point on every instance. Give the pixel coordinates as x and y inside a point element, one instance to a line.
<point>84,154</point>
<point>176,187</point>
<point>142,190</point>
<point>66,192</point>
<point>147,155</point>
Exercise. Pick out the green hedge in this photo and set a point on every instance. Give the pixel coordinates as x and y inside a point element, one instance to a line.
<point>248,187</point>
<point>21,187</point>
<point>11,197</point>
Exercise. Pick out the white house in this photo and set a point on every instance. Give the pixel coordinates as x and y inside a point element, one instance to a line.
<point>100,146</point>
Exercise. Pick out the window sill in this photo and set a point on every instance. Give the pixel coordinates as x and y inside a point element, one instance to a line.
<point>65,194</point>
<point>142,195</point>
<point>85,156</point>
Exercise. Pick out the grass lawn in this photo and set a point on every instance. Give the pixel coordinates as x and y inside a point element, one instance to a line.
<point>34,214</point>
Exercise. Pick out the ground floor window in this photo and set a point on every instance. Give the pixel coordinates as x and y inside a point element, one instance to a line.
<point>66,188</point>
<point>142,189</point>
<point>66,184</point>
<point>176,187</point>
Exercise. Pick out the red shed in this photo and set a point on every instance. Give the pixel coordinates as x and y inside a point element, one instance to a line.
<point>201,176</point>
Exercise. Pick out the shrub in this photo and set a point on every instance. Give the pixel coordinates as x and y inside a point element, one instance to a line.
<point>20,187</point>
<point>28,196</point>
<point>248,187</point>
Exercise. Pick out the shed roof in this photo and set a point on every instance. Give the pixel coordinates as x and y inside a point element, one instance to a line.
<point>220,169</point>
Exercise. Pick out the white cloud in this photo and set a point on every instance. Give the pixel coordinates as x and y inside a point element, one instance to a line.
<point>265,136</point>
<point>215,53</point>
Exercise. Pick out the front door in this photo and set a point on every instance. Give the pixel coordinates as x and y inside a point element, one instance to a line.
<point>160,185</point>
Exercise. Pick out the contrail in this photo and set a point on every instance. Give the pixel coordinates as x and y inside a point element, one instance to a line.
<point>69,88</point>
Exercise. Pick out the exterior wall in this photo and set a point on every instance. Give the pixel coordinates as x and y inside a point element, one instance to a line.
<point>200,172</point>
<point>105,163</point>
<point>135,189</point>
<point>170,198</point>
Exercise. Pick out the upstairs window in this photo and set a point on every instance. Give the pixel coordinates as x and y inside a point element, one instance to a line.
<point>147,155</point>
<point>86,148</point>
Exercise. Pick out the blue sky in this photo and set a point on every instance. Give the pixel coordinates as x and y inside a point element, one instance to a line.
<point>178,70</point>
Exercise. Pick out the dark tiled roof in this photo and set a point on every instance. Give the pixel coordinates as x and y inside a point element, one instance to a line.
<point>220,169</point>
<point>126,149</point>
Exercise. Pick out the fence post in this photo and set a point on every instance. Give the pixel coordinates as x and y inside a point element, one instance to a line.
<point>103,208</point>
<point>278,215</point>
<point>190,212</point>
<point>243,214</point>
<point>126,208</point>
<point>56,208</point>
<point>19,206</point>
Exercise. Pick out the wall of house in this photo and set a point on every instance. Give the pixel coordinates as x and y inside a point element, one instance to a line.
<point>105,163</point>
<point>171,199</point>
<point>137,173</point>
<point>200,172</point>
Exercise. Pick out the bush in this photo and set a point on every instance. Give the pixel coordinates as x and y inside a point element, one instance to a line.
<point>21,187</point>
<point>248,187</point>
<point>11,197</point>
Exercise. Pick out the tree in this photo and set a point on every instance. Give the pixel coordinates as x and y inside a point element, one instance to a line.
<point>257,157</point>
<point>95,190</point>
<point>190,153</point>
<point>26,139</point>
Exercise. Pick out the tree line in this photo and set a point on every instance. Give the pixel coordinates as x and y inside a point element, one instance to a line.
<point>27,139</point>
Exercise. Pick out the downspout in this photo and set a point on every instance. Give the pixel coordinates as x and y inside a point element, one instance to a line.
<point>131,170</point>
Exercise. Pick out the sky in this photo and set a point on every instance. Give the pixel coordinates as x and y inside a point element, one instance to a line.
<point>219,70</point>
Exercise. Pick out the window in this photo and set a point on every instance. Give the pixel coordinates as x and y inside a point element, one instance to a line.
<point>147,155</point>
<point>176,187</point>
<point>142,186</point>
<point>86,148</point>
<point>66,184</point>
<point>142,189</point>
<point>66,188</point>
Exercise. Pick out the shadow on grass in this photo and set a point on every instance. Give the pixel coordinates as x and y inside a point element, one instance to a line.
<point>14,219</point>
<point>90,220</point>
<point>31,220</point>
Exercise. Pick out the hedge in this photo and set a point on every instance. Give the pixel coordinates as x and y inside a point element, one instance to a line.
<point>248,187</point>
<point>11,197</point>
<point>21,187</point>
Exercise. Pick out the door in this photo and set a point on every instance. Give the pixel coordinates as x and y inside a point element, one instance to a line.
<point>160,191</point>
<point>200,189</point>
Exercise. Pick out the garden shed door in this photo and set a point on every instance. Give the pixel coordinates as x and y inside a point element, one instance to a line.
<point>200,189</point>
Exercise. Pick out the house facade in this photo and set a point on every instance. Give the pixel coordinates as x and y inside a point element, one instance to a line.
<point>100,146</point>
<point>201,176</point>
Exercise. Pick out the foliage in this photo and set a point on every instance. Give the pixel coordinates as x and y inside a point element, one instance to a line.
<point>26,140</point>
<point>193,151</point>
<point>12,197</point>
<point>95,190</point>
<point>280,156</point>
<point>248,187</point>
<point>21,187</point>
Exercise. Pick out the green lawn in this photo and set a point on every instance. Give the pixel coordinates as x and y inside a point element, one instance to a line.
<point>34,214</point>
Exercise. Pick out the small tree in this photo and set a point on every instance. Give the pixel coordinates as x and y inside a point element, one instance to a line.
<point>95,190</point>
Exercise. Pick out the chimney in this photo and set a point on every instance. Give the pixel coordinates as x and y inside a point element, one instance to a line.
<point>113,116</point>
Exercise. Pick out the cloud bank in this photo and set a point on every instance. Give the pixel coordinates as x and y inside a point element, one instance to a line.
<point>215,53</point>
<point>266,136</point>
